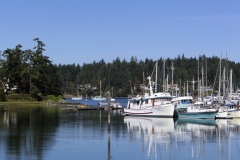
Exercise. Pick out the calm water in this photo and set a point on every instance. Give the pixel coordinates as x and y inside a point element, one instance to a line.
<point>53,133</point>
<point>91,102</point>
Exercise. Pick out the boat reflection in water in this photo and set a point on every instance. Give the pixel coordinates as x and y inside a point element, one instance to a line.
<point>167,138</point>
<point>152,131</point>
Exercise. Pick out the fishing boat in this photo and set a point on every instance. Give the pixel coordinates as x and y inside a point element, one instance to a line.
<point>198,110</point>
<point>182,103</point>
<point>155,104</point>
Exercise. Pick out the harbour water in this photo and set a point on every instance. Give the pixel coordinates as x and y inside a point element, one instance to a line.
<point>53,133</point>
<point>94,103</point>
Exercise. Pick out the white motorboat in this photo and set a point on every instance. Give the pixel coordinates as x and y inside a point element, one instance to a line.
<point>155,104</point>
<point>228,110</point>
<point>99,98</point>
<point>77,98</point>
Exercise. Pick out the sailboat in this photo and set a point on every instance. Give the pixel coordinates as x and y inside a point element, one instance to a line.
<point>112,99</point>
<point>77,97</point>
<point>99,98</point>
<point>199,109</point>
<point>229,108</point>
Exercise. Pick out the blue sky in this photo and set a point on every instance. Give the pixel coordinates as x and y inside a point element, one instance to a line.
<point>83,31</point>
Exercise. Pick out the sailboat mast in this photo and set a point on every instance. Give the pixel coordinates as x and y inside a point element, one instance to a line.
<point>156,79</point>
<point>219,85</point>
<point>231,82</point>
<point>203,88</point>
<point>198,79</point>
<point>163,75</point>
<point>143,89</point>
<point>172,77</point>
<point>206,75</point>
<point>100,89</point>
<point>184,90</point>
<point>166,89</point>
<point>224,82</point>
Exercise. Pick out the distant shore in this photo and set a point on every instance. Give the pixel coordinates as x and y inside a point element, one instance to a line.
<point>43,103</point>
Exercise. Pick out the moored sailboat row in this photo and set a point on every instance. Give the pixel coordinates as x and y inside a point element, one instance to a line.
<point>162,104</point>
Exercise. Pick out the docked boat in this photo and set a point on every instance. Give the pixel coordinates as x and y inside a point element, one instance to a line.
<point>77,98</point>
<point>155,104</point>
<point>223,112</point>
<point>100,97</point>
<point>228,110</point>
<point>181,103</point>
<point>198,110</point>
<point>113,105</point>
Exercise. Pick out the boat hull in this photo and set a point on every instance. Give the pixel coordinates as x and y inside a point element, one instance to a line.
<point>156,111</point>
<point>234,113</point>
<point>223,115</point>
<point>197,115</point>
<point>76,98</point>
<point>99,99</point>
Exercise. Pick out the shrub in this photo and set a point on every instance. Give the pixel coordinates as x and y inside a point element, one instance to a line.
<point>2,96</point>
<point>19,97</point>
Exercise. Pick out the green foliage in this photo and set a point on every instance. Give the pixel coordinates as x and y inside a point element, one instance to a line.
<point>19,97</point>
<point>34,74</point>
<point>30,71</point>
<point>2,96</point>
<point>118,74</point>
<point>52,98</point>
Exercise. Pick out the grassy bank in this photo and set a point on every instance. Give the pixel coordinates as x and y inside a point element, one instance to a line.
<point>30,103</point>
<point>26,99</point>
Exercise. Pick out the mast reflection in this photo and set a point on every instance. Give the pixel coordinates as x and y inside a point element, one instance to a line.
<point>168,138</point>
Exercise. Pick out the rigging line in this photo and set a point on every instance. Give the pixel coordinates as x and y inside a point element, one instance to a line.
<point>215,78</point>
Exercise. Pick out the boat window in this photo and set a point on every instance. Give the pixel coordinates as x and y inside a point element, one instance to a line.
<point>136,102</point>
<point>206,107</point>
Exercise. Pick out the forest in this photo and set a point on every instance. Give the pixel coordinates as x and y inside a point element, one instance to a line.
<point>123,78</point>
<point>30,72</point>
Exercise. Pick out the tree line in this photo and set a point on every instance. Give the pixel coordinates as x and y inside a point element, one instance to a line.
<point>30,72</point>
<point>122,78</point>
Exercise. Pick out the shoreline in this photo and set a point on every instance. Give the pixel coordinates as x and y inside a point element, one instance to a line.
<point>45,103</point>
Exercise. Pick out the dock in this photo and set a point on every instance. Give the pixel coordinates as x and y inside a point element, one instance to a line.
<point>84,109</point>
<point>79,107</point>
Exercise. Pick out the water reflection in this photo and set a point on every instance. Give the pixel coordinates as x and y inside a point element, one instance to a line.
<point>152,131</point>
<point>186,139</point>
<point>52,133</point>
<point>27,130</point>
